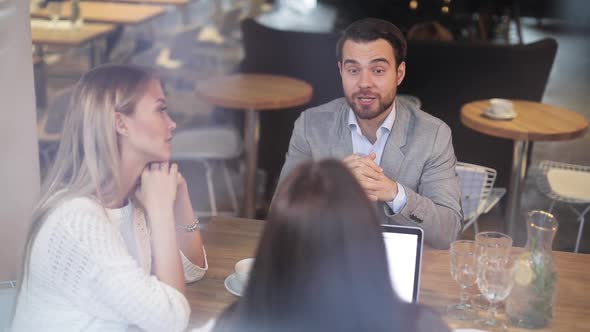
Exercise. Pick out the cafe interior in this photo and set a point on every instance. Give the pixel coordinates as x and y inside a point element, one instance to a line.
<point>238,73</point>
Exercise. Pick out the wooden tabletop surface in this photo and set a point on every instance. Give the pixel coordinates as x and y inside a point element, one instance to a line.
<point>70,37</point>
<point>255,91</point>
<point>228,240</point>
<point>109,12</point>
<point>154,2</point>
<point>534,122</point>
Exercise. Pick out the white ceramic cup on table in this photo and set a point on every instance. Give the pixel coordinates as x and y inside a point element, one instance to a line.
<point>501,106</point>
<point>242,270</point>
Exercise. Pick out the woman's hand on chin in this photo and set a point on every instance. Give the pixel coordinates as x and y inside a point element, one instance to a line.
<point>159,185</point>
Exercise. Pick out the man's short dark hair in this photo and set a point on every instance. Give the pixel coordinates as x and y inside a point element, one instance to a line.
<point>371,29</point>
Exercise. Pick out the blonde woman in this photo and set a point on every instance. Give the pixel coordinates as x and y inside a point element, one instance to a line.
<point>114,236</point>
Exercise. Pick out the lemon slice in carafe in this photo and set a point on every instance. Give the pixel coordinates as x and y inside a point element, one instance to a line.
<point>523,273</point>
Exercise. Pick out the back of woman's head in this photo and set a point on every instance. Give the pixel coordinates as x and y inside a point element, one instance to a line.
<point>321,262</point>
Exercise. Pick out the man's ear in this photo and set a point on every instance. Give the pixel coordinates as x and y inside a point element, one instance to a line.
<point>121,124</point>
<point>401,72</point>
<point>340,67</point>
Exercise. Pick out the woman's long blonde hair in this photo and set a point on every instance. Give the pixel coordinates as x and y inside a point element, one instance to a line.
<point>88,157</point>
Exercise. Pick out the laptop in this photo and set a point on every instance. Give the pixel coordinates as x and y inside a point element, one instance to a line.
<point>403,245</point>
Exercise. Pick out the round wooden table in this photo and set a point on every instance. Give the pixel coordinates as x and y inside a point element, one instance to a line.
<point>253,93</point>
<point>534,122</point>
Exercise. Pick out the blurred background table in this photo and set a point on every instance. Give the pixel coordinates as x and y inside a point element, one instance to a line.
<point>109,12</point>
<point>534,122</point>
<point>44,35</point>
<point>181,5</point>
<point>229,240</point>
<point>253,93</point>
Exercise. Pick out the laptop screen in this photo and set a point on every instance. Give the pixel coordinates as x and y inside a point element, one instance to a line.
<point>404,255</point>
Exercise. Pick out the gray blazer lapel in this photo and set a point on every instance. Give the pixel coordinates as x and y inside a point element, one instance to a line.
<point>393,156</point>
<point>342,139</point>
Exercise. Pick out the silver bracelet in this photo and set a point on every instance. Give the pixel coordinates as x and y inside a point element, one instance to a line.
<point>190,228</point>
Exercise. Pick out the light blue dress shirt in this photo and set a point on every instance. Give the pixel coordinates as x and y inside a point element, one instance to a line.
<point>362,146</point>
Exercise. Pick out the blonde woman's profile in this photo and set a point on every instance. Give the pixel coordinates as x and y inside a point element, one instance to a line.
<point>114,236</point>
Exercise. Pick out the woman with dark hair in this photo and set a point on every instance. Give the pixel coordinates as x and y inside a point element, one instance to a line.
<point>321,263</point>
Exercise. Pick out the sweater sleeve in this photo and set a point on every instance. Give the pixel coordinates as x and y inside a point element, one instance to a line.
<point>193,272</point>
<point>92,266</point>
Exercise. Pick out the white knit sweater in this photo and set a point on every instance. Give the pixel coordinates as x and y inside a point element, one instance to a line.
<point>90,271</point>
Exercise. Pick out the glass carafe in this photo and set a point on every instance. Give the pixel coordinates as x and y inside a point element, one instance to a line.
<point>530,303</point>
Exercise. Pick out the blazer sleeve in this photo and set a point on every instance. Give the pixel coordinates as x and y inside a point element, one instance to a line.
<point>435,207</point>
<point>299,148</point>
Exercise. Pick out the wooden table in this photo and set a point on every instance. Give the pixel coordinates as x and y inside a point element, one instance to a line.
<point>74,37</point>
<point>534,122</point>
<point>155,2</point>
<point>253,93</point>
<point>70,37</point>
<point>228,240</point>
<point>88,33</point>
<point>109,12</point>
<point>181,5</point>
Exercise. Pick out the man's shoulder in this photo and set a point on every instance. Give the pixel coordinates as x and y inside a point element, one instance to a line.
<point>324,123</point>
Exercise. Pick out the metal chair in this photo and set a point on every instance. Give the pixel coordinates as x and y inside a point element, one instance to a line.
<point>478,195</point>
<point>567,183</point>
<point>207,145</point>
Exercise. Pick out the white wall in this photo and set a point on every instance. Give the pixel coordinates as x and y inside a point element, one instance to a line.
<point>19,164</point>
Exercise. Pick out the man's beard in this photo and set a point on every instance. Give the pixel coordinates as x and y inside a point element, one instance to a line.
<point>364,112</point>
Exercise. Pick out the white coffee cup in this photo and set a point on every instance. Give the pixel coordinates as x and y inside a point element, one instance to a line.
<point>242,269</point>
<point>501,106</point>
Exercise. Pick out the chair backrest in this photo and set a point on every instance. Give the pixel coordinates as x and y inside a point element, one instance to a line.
<point>446,75</point>
<point>476,183</point>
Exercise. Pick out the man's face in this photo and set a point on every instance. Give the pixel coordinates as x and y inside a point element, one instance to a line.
<point>370,77</point>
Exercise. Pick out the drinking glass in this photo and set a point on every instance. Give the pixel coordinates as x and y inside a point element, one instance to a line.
<point>54,10</point>
<point>495,244</point>
<point>464,272</point>
<point>494,280</point>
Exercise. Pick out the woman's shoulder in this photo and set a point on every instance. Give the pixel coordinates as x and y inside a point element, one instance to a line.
<point>77,204</point>
<point>81,224</point>
<point>75,212</point>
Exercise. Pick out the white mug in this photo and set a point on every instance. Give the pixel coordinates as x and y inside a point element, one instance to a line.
<point>501,106</point>
<point>242,269</point>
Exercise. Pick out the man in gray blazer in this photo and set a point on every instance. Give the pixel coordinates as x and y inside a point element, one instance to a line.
<point>402,157</point>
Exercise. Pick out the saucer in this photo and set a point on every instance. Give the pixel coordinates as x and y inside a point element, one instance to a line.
<point>233,285</point>
<point>503,116</point>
